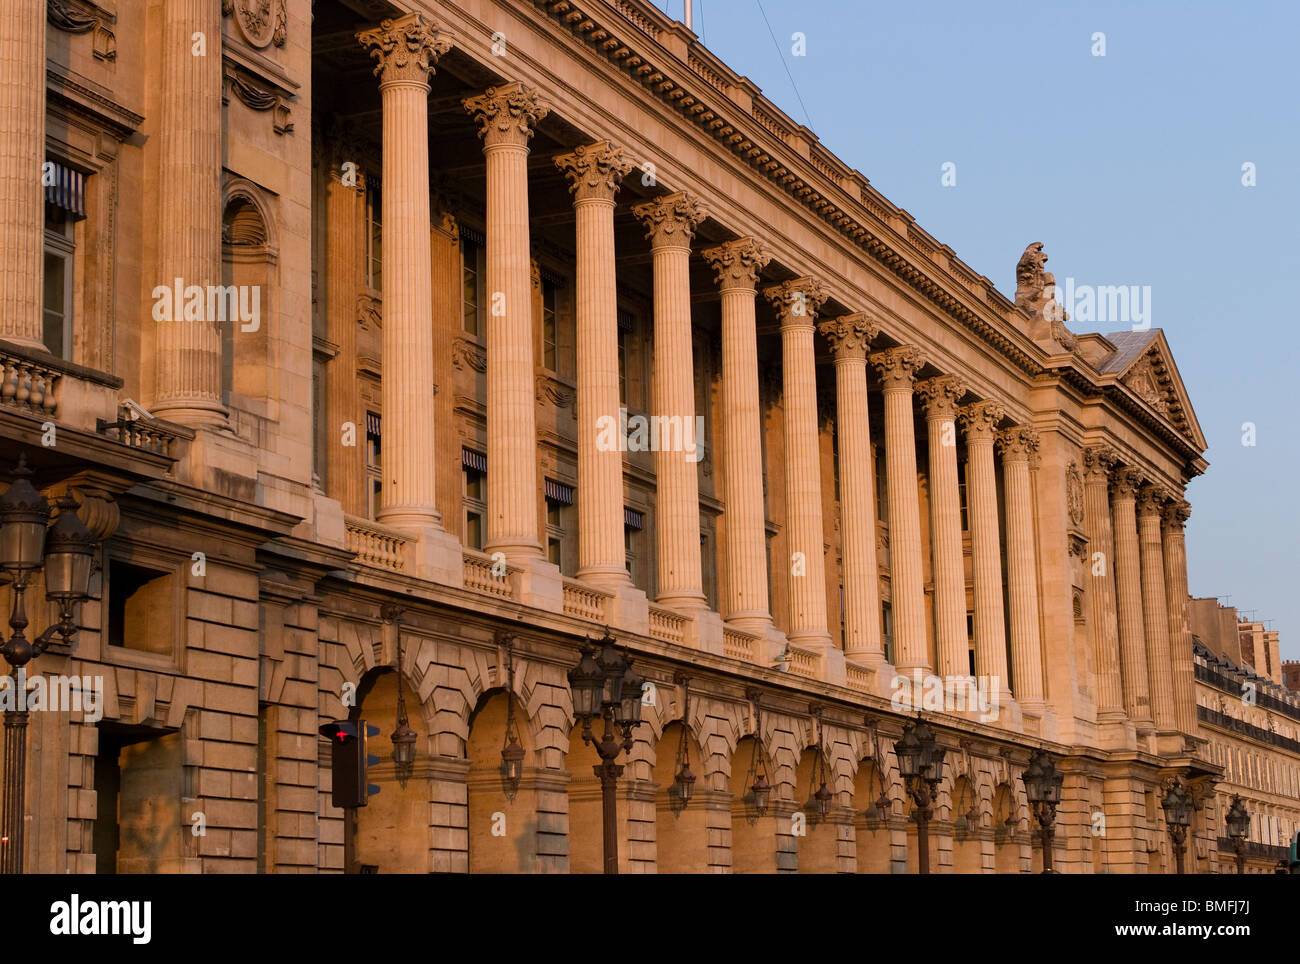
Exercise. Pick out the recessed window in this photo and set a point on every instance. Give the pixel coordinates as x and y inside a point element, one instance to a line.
<point>60,257</point>
<point>140,607</point>
<point>472,275</point>
<point>550,333</point>
<point>374,465</point>
<point>374,235</point>
<point>474,496</point>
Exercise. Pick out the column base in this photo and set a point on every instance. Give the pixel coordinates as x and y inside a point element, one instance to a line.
<point>536,582</point>
<point>196,415</point>
<point>752,621</point>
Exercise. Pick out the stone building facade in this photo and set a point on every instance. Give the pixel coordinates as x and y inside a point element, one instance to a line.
<point>464,330</point>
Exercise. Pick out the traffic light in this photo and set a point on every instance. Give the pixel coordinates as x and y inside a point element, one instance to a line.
<point>349,760</point>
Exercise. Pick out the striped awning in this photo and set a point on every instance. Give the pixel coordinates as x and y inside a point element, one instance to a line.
<point>473,460</point>
<point>632,519</point>
<point>373,425</point>
<point>470,234</point>
<point>558,492</point>
<point>67,189</point>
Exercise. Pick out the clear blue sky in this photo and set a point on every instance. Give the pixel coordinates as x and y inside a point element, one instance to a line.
<point>1127,167</point>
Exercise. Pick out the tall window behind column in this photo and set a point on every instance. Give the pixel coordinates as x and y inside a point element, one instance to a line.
<point>472,258</point>
<point>374,234</point>
<point>374,465</point>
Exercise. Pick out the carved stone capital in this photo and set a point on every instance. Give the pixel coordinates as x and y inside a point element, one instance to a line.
<point>849,335</point>
<point>1018,443</point>
<point>670,220</point>
<point>737,264</point>
<point>594,170</point>
<point>1176,513</point>
<point>796,301</point>
<point>1151,500</point>
<point>1125,483</point>
<point>939,395</point>
<point>406,49</point>
<point>1098,463</point>
<point>506,115</point>
<point>980,419</point>
<point>897,367</point>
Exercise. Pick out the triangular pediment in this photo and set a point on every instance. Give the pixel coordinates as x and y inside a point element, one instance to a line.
<point>1144,365</point>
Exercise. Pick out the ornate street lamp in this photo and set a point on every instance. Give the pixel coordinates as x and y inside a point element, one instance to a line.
<point>512,751</point>
<point>605,685</point>
<point>920,762</point>
<point>1177,804</point>
<point>1043,789</point>
<point>1238,820</point>
<point>684,779</point>
<point>760,788</point>
<point>404,738</point>
<point>67,552</point>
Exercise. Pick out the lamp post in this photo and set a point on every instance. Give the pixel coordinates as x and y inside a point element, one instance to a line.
<point>512,751</point>
<point>920,762</point>
<point>1238,820</point>
<point>1043,789</point>
<point>1177,804</point>
<point>67,552</point>
<point>605,685</point>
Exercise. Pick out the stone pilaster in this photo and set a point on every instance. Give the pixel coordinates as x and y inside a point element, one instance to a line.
<point>797,303</point>
<point>1155,610</point>
<point>897,369</point>
<point>939,398</point>
<point>1180,631</point>
<point>187,355</point>
<point>670,225</point>
<point>1018,445</point>
<point>738,265</point>
<point>506,117</point>
<point>594,172</point>
<point>980,421</point>
<point>1098,462</point>
<point>849,337</point>
<point>22,152</point>
<point>1128,593</point>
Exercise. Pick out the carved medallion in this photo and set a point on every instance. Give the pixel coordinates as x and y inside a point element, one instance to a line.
<point>261,22</point>
<point>1074,493</point>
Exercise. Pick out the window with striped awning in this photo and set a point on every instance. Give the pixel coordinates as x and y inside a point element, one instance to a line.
<point>558,492</point>
<point>373,424</point>
<point>633,519</point>
<point>65,189</point>
<point>473,460</point>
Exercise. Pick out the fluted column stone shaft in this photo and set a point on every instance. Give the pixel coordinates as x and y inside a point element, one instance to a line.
<point>980,421</point>
<point>1155,608</point>
<point>939,397</point>
<point>594,172</point>
<point>1180,631</point>
<point>737,265</point>
<point>1019,444</point>
<point>22,152</point>
<point>1098,463</point>
<point>670,225</point>
<point>1128,594</point>
<point>187,356</point>
<point>897,369</point>
<point>506,117</point>
<point>797,303</point>
<point>850,337</point>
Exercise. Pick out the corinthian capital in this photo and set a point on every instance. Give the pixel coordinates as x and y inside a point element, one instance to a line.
<point>897,367</point>
<point>939,395</point>
<point>796,301</point>
<point>506,115</point>
<point>1125,483</point>
<point>406,49</point>
<point>849,335</point>
<point>1018,443</point>
<point>594,170</point>
<point>980,419</point>
<point>670,220</point>
<point>1151,500</point>
<point>1177,511</point>
<point>1098,463</point>
<point>738,263</point>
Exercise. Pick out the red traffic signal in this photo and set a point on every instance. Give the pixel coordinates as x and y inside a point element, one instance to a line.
<point>348,759</point>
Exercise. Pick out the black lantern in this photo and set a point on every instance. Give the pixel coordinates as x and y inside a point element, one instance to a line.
<point>23,515</point>
<point>613,667</point>
<point>628,711</point>
<point>512,753</point>
<point>512,762</point>
<point>1043,782</point>
<point>920,762</point>
<point>1177,805</point>
<point>69,556</point>
<point>684,779</point>
<point>1238,819</point>
<point>587,684</point>
<point>908,751</point>
<point>404,738</point>
<point>759,785</point>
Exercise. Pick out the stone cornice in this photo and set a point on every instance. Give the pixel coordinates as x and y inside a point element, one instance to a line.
<point>92,101</point>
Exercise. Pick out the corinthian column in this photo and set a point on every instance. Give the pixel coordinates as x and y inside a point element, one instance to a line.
<point>405,51</point>
<point>1128,592</point>
<point>1155,608</point>
<point>22,151</point>
<point>737,265</point>
<point>1098,462</point>
<point>897,369</point>
<point>980,421</point>
<point>670,225</point>
<point>187,355</point>
<point>506,117</point>
<point>939,397</point>
<point>797,303</point>
<point>1180,631</point>
<point>594,172</point>
<point>849,337</point>
<point>1018,445</point>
